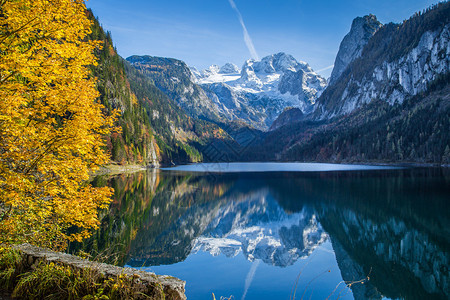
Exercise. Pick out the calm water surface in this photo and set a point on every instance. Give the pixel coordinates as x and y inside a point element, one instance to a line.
<point>255,167</point>
<point>270,235</point>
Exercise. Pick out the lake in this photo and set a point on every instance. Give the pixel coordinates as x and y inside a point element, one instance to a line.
<point>300,233</point>
<point>255,167</point>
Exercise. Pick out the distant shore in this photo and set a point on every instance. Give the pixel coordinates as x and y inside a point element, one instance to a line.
<point>116,169</point>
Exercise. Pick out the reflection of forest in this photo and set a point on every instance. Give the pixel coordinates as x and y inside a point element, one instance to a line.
<point>396,229</point>
<point>230,215</point>
<point>170,228</point>
<point>145,206</point>
<point>391,224</point>
<point>133,196</point>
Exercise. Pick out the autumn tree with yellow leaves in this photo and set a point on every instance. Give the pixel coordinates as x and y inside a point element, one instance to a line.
<point>51,125</point>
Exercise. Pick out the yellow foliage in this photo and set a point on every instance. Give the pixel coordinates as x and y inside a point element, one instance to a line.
<point>134,99</point>
<point>51,126</point>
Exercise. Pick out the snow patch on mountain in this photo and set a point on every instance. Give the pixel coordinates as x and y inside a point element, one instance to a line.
<point>229,68</point>
<point>261,90</point>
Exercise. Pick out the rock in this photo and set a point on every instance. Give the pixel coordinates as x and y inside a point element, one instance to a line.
<point>262,89</point>
<point>229,68</point>
<point>144,282</point>
<point>395,65</point>
<point>363,28</point>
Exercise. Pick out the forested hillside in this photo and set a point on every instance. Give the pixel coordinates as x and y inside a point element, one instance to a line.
<point>135,143</point>
<point>174,78</point>
<point>153,128</point>
<point>398,62</point>
<point>392,104</point>
<point>415,131</point>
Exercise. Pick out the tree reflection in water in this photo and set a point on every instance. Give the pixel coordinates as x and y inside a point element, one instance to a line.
<point>392,224</point>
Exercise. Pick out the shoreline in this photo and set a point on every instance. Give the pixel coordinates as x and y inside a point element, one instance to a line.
<point>115,169</point>
<point>386,164</point>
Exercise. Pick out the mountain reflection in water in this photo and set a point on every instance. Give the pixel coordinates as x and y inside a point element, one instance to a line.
<point>392,225</point>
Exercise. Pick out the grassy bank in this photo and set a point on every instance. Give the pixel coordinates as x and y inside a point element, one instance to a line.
<point>43,279</point>
<point>115,169</point>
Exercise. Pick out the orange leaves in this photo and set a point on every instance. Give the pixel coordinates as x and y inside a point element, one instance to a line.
<point>51,126</point>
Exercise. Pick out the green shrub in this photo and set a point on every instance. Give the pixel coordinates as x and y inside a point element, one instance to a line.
<point>10,262</point>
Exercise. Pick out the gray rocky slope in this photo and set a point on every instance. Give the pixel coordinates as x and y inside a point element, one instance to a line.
<point>362,29</point>
<point>398,62</point>
<point>261,90</point>
<point>254,95</point>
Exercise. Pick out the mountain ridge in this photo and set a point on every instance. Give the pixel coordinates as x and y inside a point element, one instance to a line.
<point>399,75</point>
<point>261,90</point>
<point>397,63</point>
<point>362,29</point>
<point>365,118</point>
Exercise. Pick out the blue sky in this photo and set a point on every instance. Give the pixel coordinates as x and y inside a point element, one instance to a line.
<point>206,32</point>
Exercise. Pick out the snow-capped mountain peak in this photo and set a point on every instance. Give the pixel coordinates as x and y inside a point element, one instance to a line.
<point>229,68</point>
<point>279,62</point>
<point>263,88</point>
<point>213,69</point>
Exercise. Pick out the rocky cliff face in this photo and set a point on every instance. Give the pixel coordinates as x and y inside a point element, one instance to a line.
<point>262,89</point>
<point>398,62</point>
<point>353,43</point>
<point>400,79</point>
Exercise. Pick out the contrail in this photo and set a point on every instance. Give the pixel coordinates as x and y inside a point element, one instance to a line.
<point>250,275</point>
<point>324,69</point>
<point>247,39</point>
